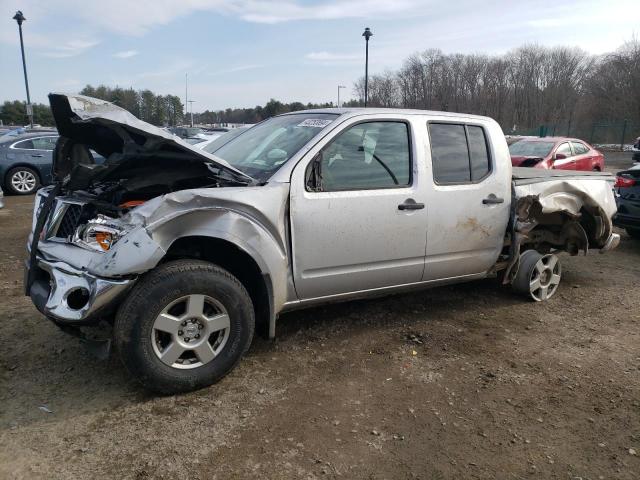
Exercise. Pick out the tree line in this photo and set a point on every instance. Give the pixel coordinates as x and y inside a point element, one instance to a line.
<point>527,87</point>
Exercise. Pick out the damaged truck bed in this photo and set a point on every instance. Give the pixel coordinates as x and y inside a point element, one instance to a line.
<point>184,254</point>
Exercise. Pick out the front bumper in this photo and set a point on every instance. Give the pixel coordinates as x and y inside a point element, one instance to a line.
<point>73,296</point>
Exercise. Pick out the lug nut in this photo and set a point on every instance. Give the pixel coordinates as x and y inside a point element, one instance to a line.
<point>193,320</point>
<point>184,323</point>
<point>197,335</point>
<point>200,327</point>
<point>180,332</point>
<point>186,339</point>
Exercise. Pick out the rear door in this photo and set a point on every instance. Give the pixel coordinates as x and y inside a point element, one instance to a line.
<point>37,152</point>
<point>567,163</point>
<point>358,216</point>
<point>469,201</point>
<point>582,156</point>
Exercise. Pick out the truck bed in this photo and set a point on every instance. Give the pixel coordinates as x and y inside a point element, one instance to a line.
<point>527,176</point>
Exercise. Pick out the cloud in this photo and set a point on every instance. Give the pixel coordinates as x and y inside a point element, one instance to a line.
<point>287,11</point>
<point>69,49</point>
<point>239,68</point>
<point>331,57</point>
<point>144,15</point>
<point>126,54</point>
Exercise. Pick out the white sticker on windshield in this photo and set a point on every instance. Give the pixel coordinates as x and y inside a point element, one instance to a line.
<point>314,122</point>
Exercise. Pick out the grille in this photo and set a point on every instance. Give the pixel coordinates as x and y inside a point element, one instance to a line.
<point>69,222</point>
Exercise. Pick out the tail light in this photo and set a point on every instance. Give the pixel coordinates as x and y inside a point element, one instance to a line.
<point>624,182</point>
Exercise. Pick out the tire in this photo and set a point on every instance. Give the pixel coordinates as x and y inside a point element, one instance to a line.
<point>166,312</point>
<point>634,233</point>
<point>22,181</point>
<point>538,275</point>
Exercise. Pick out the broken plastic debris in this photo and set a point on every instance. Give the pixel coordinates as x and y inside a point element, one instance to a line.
<point>45,409</point>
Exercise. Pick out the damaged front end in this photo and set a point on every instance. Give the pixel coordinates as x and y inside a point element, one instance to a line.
<point>86,248</point>
<point>561,214</point>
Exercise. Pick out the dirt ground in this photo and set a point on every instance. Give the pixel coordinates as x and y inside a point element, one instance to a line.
<point>467,381</point>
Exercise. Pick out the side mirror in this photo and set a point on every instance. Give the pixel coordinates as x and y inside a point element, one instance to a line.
<point>559,156</point>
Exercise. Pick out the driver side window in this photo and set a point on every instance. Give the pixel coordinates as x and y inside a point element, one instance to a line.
<point>565,149</point>
<point>369,155</point>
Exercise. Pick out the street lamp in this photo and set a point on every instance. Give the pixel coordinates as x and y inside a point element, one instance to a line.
<point>339,87</point>
<point>19,17</point>
<point>191,102</point>
<point>367,35</point>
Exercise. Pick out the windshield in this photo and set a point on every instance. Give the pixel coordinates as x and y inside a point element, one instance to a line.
<point>224,138</point>
<point>262,149</point>
<point>524,148</point>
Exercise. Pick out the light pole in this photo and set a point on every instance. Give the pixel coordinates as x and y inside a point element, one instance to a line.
<point>339,87</point>
<point>367,35</point>
<point>19,17</point>
<point>186,94</point>
<point>191,102</point>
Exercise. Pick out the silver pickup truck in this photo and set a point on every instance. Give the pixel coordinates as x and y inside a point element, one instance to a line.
<point>183,254</point>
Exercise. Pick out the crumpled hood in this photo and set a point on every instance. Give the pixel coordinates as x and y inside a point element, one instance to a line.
<point>108,129</point>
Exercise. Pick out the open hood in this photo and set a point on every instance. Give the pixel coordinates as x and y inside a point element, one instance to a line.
<point>117,135</point>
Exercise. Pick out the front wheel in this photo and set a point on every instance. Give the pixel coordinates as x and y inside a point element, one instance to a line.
<point>184,326</point>
<point>538,276</point>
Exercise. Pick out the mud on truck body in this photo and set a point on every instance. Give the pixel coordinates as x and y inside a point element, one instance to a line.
<point>183,254</point>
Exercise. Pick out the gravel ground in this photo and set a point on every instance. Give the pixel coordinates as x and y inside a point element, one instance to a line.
<point>467,381</point>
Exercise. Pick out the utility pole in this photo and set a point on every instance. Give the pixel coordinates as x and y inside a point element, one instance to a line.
<point>191,102</point>
<point>19,17</point>
<point>186,95</point>
<point>339,87</point>
<point>367,35</point>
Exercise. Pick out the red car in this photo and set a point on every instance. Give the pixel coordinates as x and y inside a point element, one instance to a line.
<point>556,152</point>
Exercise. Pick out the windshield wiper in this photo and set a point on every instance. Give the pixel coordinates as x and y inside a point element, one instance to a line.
<point>230,175</point>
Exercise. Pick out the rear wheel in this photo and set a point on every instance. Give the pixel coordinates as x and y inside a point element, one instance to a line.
<point>184,326</point>
<point>22,181</point>
<point>634,232</point>
<point>538,276</point>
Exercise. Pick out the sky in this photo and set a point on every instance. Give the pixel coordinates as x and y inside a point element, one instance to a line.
<point>241,53</point>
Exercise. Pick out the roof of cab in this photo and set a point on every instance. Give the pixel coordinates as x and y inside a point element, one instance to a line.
<point>355,111</point>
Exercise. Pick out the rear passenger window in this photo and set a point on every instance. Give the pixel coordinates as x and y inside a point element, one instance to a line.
<point>24,144</point>
<point>478,153</point>
<point>580,148</point>
<point>459,153</point>
<point>44,143</point>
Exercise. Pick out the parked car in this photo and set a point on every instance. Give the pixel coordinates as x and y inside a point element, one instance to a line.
<point>216,142</point>
<point>188,132</point>
<point>187,253</point>
<point>627,188</point>
<point>25,161</point>
<point>556,153</point>
<point>1,198</point>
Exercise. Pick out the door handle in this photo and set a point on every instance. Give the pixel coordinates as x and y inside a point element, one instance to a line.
<point>410,204</point>
<point>492,200</point>
<point>38,155</point>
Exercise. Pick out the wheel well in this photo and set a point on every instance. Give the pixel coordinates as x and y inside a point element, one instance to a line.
<point>237,262</point>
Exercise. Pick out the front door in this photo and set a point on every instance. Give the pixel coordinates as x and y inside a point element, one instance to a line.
<point>358,217</point>
<point>567,163</point>
<point>469,201</point>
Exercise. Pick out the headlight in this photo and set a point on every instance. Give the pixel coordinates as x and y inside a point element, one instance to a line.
<point>100,233</point>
